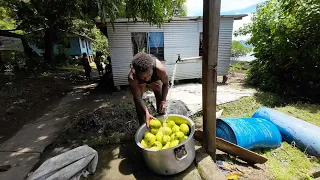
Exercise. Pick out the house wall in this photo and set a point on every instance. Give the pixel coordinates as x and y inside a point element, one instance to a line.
<point>74,49</point>
<point>85,48</point>
<point>180,37</point>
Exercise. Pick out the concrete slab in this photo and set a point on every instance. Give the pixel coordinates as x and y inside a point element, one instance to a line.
<point>21,164</point>
<point>126,162</point>
<point>207,168</point>
<point>191,95</point>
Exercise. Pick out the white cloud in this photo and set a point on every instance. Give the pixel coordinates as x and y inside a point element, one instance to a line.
<point>229,5</point>
<point>195,6</point>
<point>239,23</point>
<point>195,9</point>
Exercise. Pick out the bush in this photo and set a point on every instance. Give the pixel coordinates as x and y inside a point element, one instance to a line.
<point>285,36</point>
<point>238,67</point>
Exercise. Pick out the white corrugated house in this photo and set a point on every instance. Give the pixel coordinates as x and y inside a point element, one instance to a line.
<point>179,36</point>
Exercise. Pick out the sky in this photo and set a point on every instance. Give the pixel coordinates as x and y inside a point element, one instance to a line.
<point>228,7</point>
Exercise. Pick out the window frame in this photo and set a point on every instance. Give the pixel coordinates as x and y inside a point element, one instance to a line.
<point>147,43</point>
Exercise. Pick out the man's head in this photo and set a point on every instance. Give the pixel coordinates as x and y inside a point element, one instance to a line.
<point>142,64</point>
<point>84,54</point>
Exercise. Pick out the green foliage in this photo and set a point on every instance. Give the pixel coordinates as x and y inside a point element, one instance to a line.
<point>6,22</point>
<point>62,58</point>
<point>238,67</point>
<point>285,36</point>
<point>239,50</point>
<point>49,21</point>
<point>100,43</point>
<point>18,62</point>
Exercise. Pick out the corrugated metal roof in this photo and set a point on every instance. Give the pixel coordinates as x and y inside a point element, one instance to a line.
<point>187,18</point>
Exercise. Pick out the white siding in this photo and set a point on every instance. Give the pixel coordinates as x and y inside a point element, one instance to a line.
<point>225,41</point>
<point>180,37</point>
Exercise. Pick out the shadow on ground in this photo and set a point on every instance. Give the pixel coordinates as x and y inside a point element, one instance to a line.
<point>125,161</point>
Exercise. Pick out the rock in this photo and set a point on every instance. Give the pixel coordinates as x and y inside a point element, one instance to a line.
<point>177,107</point>
<point>207,167</point>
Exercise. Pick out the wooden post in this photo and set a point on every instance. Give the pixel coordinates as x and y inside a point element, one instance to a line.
<point>211,23</point>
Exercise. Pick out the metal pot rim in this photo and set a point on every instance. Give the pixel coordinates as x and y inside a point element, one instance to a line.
<point>192,129</point>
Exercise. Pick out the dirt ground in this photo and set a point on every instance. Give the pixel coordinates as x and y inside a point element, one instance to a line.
<point>23,99</point>
<point>113,123</point>
<point>116,122</point>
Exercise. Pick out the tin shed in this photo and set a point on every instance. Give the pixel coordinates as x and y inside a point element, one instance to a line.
<point>181,35</point>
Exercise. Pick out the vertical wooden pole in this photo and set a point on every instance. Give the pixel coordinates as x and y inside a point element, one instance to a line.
<point>211,23</point>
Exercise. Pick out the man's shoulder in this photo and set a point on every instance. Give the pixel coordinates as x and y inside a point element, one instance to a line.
<point>160,67</point>
<point>131,76</point>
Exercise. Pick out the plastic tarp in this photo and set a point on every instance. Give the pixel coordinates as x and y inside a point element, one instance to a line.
<point>249,133</point>
<point>305,135</point>
<point>72,164</point>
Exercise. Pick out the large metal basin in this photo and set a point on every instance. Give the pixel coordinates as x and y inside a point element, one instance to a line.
<point>173,160</point>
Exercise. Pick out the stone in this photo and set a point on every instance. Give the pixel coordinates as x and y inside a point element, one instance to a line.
<point>177,107</point>
<point>207,168</point>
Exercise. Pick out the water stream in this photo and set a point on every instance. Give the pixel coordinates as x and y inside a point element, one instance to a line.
<point>170,91</point>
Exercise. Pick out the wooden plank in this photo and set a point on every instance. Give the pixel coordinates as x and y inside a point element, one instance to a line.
<point>211,22</point>
<point>234,150</point>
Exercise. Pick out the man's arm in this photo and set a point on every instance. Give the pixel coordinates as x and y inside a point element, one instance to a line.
<point>137,98</point>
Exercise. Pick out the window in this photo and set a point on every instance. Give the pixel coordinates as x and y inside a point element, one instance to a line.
<point>201,44</point>
<point>83,43</point>
<point>151,43</point>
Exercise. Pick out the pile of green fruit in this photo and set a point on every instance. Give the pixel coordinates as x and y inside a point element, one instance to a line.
<point>164,135</point>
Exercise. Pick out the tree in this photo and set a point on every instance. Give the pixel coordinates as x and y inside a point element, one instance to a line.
<point>50,20</point>
<point>239,50</point>
<point>286,39</point>
<point>6,22</point>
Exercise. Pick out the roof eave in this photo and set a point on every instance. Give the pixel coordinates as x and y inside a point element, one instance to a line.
<point>188,18</point>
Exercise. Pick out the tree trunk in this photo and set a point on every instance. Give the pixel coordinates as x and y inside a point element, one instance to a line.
<point>48,46</point>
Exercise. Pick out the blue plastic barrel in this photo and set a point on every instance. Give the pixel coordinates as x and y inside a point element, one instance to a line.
<point>249,133</point>
<point>305,135</point>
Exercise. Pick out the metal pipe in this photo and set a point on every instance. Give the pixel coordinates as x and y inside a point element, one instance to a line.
<point>199,58</point>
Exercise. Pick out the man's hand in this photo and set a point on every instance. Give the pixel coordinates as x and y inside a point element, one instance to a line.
<point>162,108</point>
<point>148,118</point>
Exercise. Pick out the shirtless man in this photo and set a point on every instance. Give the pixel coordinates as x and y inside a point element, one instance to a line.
<point>147,69</point>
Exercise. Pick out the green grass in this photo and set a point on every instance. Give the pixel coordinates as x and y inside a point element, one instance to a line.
<point>72,68</point>
<point>289,162</point>
<point>76,68</point>
<point>286,162</point>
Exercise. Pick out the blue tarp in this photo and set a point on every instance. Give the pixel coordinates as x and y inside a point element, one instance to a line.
<point>249,133</point>
<point>305,135</point>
